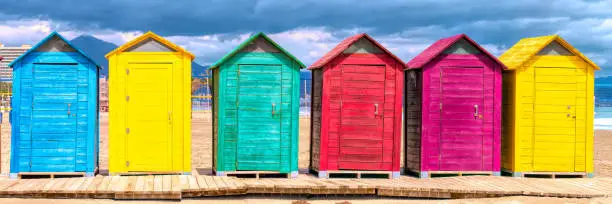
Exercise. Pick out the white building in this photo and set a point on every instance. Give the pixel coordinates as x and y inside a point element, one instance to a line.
<point>9,54</point>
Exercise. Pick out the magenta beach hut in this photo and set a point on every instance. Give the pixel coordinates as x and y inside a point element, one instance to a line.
<point>453,109</point>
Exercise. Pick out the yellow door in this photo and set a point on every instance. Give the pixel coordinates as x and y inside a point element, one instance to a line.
<point>554,112</point>
<point>148,117</point>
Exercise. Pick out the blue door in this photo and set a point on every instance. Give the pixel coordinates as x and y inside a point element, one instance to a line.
<point>54,118</point>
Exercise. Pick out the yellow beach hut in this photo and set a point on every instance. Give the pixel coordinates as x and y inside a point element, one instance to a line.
<point>149,107</point>
<point>548,109</point>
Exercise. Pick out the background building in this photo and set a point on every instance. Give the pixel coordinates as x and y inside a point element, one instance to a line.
<point>9,54</point>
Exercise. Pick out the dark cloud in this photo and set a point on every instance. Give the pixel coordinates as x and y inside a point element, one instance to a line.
<point>500,23</point>
<point>197,17</point>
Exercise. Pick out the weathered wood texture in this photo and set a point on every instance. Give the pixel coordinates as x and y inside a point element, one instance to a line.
<point>256,108</point>
<point>54,110</point>
<point>548,122</point>
<point>315,129</point>
<point>412,119</point>
<point>461,107</point>
<point>360,109</point>
<point>190,186</point>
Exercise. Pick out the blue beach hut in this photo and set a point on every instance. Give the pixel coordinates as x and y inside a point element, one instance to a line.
<point>54,110</point>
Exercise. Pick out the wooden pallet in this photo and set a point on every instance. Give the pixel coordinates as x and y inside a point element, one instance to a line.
<point>257,174</point>
<point>358,174</point>
<point>26,175</point>
<point>433,174</point>
<point>553,175</point>
<point>52,175</point>
<point>144,173</point>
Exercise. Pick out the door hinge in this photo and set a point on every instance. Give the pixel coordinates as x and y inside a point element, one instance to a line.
<point>127,71</point>
<point>127,130</point>
<point>440,106</point>
<point>127,98</point>
<point>127,163</point>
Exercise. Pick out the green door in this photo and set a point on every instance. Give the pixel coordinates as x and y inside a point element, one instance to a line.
<point>259,118</point>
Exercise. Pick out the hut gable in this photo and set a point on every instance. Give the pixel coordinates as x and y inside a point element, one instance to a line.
<point>150,45</point>
<point>260,44</point>
<point>554,48</point>
<point>361,43</point>
<point>150,42</point>
<point>462,47</point>
<point>257,43</point>
<point>458,44</point>
<point>363,46</point>
<point>527,48</point>
<point>55,44</point>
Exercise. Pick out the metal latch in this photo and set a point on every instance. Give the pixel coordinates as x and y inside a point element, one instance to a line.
<point>127,71</point>
<point>127,130</point>
<point>127,98</point>
<point>127,163</point>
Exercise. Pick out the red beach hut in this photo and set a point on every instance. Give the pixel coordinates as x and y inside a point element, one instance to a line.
<point>356,109</point>
<point>453,109</point>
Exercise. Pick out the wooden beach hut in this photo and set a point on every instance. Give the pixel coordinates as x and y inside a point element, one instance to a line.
<point>453,109</point>
<point>548,108</point>
<point>149,107</point>
<point>256,109</point>
<point>356,109</point>
<point>54,118</point>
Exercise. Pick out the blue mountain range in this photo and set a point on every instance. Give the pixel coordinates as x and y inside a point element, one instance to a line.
<point>97,48</point>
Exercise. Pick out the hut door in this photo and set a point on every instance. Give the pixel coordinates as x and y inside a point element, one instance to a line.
<point>54,117</point>
<point>259,118</point>
<point>149,117</point>
<point>461,119</point>
<point>554,109</point>
<point>361,117</point>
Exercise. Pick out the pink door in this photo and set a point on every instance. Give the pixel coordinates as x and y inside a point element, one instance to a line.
<point>462,139</point>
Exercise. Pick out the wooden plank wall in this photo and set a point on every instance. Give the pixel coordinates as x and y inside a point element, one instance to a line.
<point>508,120</point>
<point>412,120</point>
<point>51,153</point>
<point>215,116</point>
<point>315,132</point>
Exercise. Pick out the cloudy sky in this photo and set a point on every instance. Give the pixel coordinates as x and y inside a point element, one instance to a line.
<point>310,28</point>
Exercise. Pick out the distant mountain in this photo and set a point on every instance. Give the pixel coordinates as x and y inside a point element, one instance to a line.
<point>198,71</point>
<point>96,49</point>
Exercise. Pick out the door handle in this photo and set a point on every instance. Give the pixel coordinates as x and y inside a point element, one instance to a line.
<point>169,117</point>
<point>69,104</point>
<point>273,109</point>
<point>376,109</point>
<point>475,111</point>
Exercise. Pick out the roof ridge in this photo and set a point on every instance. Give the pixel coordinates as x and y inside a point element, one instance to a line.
<point>145,36</point>
<point>247,42</point>
<point>47,38</point>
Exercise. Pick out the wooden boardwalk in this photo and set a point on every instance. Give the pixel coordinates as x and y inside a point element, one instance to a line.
<point>189,186</point>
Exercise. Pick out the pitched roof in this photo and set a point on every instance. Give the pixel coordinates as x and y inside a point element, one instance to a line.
<point>149,35</point>
<point>439,46</point>
<point>246,43</point>
<point>526,48</point>
<point>44,40</point>
<point>345,44</point>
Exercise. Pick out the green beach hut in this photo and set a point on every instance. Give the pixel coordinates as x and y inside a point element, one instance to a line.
<point>256,109</point>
